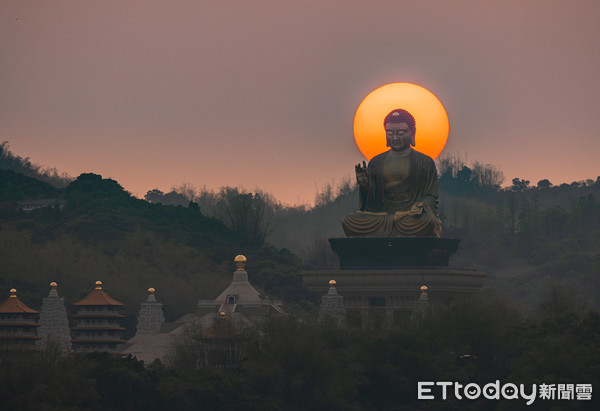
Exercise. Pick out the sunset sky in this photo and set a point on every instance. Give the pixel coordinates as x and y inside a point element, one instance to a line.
<point>262,94</point>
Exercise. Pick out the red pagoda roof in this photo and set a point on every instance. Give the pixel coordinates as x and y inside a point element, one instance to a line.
<point>14,305</point>
<point>98,297</point>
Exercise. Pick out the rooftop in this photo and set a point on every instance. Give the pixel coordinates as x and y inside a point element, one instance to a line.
<point>14,305</point>
<point>98,297</point>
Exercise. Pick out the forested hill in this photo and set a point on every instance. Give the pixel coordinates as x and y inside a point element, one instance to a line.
<point>104,233</point>
<point>527,237</point>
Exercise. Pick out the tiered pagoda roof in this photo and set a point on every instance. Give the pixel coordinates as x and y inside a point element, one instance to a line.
<point>97,327</point>
<point>14,305</point>
<point>18,324</point>
<point>98,297</point>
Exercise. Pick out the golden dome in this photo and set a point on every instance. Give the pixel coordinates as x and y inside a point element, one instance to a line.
<point>332,283</point>
<point>53,285</point>
<point>13,293</point>
<point>222,314</point>
<point>424,288</point>
<point>240,262</point>
<point>98,285</point>
<point>151,291</point>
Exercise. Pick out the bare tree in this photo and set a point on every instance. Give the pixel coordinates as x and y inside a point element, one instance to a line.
<point>249,214</point>
<point>187,190</point>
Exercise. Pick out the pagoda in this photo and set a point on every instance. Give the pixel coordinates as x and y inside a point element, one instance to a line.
<point>97,325</point>
<point>54,323</point>
<point>151,316</point>
<point>18,325</point>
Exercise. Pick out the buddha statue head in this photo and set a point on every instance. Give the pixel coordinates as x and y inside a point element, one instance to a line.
<point>399,130</point>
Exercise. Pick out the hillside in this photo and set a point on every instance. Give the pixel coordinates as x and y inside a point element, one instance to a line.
<point>103,233</point>
<point>527,238</point>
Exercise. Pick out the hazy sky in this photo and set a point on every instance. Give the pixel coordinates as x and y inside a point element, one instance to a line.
<point>263,93</point>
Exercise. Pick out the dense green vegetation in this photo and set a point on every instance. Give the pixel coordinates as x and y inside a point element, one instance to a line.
<point>295,365</point>
<point>103,233</point>
<point>526,237</point>
<point>540,246</point>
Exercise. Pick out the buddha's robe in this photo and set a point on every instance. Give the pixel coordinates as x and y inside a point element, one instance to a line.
<point>396,182</point>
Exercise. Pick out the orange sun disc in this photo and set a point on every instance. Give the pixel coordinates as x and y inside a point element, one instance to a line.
<point>430,116</point>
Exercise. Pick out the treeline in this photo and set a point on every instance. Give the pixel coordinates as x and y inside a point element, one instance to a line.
<point>103,233</point>
<point>262,219</point>
<point>525,236</point>
<point>11,161</point>
<point>248,214</point>
<point>299,365</point>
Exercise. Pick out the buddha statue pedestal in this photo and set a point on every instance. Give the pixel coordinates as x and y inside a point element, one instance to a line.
<point>396,252</point>
<point>381,278</point>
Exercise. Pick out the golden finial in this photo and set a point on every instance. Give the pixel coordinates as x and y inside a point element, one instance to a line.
<point>240,262</point>
<point>98,285</point>
<point>53,285</point>
<point>332,284</point>
<point>424,288</point>
<point>151,291</point>
<point>222,314</point>
<point>13,293</point>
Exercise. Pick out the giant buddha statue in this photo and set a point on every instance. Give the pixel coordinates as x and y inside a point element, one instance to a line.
<point>398,189</point>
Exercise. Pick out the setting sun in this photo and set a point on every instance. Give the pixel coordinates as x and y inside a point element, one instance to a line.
<point>429,113</point>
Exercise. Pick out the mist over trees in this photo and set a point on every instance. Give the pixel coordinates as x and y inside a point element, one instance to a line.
<point>536,321</point>
<point>526,236</point>
<point>299,365</point>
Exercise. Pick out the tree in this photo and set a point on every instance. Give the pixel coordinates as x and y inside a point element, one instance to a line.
<point>10,161</point>
<point>519,185</point>
<point>455,176</point>
<point>154,196</point>
<point>324,196</point>
<point>187,190</point>
<point>487,175</point>
<point>247,214</point>
<point>543,184</point>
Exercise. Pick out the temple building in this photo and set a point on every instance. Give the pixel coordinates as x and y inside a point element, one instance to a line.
<point>18,325</point>
<point>97,325</point>
<point>215,334</point>
<point>241,297</point>
<point>54,323</point>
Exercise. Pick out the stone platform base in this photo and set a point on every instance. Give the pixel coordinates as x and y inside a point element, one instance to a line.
<point>442,282</point>
<point>381,278</point>
<point>383,297</point>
